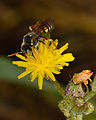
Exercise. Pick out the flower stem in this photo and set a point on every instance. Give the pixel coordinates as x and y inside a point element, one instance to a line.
<point>59,88</point>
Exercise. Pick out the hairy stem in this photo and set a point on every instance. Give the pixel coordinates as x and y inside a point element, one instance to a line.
<point>59,88</point>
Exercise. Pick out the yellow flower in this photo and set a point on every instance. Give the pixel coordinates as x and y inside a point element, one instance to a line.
<point>43,62</point>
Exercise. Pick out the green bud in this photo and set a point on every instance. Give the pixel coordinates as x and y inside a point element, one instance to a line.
<point>79,102</point>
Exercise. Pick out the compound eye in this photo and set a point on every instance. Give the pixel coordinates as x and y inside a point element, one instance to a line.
<point>27,39</point>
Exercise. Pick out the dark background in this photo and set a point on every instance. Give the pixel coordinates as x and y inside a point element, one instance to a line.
<point>75,23</point>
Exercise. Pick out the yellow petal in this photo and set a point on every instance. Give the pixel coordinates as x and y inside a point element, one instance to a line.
<point>46,50</point>
<point>20,63</point>
<point>30,57</point>
<point>21,57</point>
<point>40,81</point>
<point>35,53</point>
<point>26,72</point>
<point>66,57</point>
<point>41,48</point>
<point>50,75</point>
<point>54,70</point>
<point>59,66</point>
<point>65,64</point>
<point>63,48</point>
<point>47,42</point>
<point>33,75</point>
<point>54,44</point>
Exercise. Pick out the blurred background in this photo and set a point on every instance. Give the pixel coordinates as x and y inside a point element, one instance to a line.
<point>75,23</point>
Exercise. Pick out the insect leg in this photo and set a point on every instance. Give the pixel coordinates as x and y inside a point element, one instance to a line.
<point>51,41</point>
<point>13,54</point>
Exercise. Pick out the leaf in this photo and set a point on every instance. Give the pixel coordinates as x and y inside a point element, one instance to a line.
<point>9,73</point>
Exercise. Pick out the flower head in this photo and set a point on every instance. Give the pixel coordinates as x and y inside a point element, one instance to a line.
<point>43,61</point>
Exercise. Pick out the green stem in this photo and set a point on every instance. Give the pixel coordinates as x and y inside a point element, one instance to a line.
<point>59,88</point>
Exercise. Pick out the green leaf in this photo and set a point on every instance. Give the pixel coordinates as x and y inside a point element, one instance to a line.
<point>9,73</point>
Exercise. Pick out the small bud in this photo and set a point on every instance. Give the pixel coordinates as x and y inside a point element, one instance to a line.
<point>79,102</point>
<point>65,107</point>
<point>73,90</point>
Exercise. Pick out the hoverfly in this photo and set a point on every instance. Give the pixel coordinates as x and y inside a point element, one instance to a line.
<point>37,32</point>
